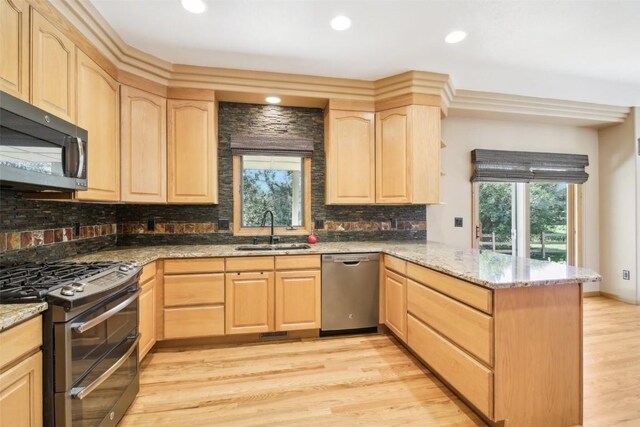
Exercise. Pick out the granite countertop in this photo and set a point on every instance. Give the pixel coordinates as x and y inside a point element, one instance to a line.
<point>485,268</point>
<point>12,314</point>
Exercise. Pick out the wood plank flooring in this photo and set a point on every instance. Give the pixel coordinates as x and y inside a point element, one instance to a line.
<point>362,381</point>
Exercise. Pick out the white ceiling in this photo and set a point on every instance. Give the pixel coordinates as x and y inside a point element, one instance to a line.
<point>586,50</point>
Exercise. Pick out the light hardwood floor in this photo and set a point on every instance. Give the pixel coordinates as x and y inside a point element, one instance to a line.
<point>362,380</point>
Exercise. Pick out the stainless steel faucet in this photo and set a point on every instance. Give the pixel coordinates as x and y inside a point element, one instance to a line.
<point>272,238</point>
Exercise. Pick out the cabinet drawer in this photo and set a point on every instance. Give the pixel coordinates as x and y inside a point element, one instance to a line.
<point>297,262</point>
<point>472,380</point>
<point>193,289</point>
<point>148,272</point>
<point>250,263</point>
<point>465,292</point>
<point>395,264</point>
<point>189,322</point>
<point>194,265</point>
<point>465,326</point>
<point>20,340</point>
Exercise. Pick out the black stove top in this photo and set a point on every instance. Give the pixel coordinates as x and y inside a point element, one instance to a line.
<point>32,282</point>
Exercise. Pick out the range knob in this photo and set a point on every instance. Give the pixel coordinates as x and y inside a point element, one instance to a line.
<point>124,268</point>
<point>68,291</point>
<point>78,286</point>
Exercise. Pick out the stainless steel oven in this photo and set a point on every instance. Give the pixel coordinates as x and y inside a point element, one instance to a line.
<point>39,151</point>
<point>91,369</point>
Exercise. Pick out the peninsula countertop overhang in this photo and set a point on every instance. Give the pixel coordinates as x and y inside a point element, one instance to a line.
<point>484,268</point>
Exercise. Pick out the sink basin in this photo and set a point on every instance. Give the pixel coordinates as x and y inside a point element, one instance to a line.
<point>279,247</point>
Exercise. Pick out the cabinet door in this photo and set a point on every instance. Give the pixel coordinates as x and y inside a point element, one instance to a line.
<point>396,303</point>
<point>147,317</point>
<point>350,151</point>
<point>249,303</point>
<point>193,152</point>
<point>21,394</point>
<point>53,65</point>
<point>144,146</point>
<point>393,154</point>
<point>14,48</point>
<point>298,300</point>
<point>99,113</point>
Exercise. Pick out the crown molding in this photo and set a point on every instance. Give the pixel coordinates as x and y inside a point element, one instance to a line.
<point>90,31</point>
<point>468,103</point>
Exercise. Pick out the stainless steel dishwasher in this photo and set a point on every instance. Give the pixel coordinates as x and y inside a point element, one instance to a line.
<point>350,292</point>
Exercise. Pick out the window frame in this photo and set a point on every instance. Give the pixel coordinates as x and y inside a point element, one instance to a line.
<point>239,230</point>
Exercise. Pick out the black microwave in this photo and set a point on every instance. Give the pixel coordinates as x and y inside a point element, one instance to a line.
<point>38,151</point>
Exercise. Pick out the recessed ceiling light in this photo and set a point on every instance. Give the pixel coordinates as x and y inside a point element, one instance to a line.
<point>340,23</point>
<point>455,37</point>
<point>273,100</point>
<point>194,6</point>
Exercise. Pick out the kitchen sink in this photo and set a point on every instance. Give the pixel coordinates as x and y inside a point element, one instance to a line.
<point>278,247</point>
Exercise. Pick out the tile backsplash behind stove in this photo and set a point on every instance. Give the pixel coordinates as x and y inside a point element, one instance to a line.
<point>38,230</point>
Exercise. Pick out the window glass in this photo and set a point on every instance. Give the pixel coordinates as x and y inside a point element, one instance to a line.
<point>272,183</point>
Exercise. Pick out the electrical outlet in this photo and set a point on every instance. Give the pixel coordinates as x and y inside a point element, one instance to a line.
<point>626,275</point>
<point>393,223</point>
<point>151,224</point>
<point>223,224</point>
<point>318,224</point>
<point>457,222</point>
<point>76,229</point>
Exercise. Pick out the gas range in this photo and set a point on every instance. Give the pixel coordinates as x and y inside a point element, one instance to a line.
<point>63,284</point>
<point>89,334</point>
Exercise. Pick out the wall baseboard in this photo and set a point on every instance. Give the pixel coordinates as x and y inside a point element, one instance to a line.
<point>589,294</point>
<point>617,298</point>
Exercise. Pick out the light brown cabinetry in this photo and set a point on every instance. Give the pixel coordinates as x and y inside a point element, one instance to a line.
<point>250,302</point>
<point>21,375</point>
<point>53,69</point>
<point>14,48</point>
<point>193,298</point>
<point>99,113</point>
<point>298,304</point>
<point>147,310</point>
<point>350,157</point>
<point>192,173</point>
<point>144,146</point>
<point>408,155</point>
<point>395,313</point>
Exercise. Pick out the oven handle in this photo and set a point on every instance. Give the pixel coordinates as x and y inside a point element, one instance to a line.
<point>85,326</point>
<point>80,393</point>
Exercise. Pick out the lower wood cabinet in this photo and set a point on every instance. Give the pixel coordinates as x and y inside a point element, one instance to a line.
<point>249,302</point>
<point>395,311</point>
<point>191,322</point>
<point>21,374</point>
<point>21,393</point>
<point>147,317</point>
<point>298,304</point>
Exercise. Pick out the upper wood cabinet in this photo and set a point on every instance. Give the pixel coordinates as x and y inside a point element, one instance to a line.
<point>99,113</point>
<point>192,173</point>
<point>53,69</point>
<point>408,155</point>
<point>144,146</point>
<point>350,157</point>
<point>14,48</point>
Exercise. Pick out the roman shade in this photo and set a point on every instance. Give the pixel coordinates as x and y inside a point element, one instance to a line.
<point>285,145</point>
<point>525,166</point>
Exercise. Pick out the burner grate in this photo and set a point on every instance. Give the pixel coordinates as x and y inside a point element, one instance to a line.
<point>32,282</point>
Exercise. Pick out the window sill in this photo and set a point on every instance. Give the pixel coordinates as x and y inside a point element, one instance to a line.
<point>266,231</point>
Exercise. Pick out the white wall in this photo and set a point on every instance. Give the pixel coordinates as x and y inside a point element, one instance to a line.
<point>618,225</point>
<point>462,135</point>
<point>636,111</point>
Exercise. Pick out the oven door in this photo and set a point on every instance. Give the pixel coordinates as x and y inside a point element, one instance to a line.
<point>102,397</point>
<point>84,341</point>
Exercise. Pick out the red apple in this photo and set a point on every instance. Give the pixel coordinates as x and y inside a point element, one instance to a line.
<point>312,238</point>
